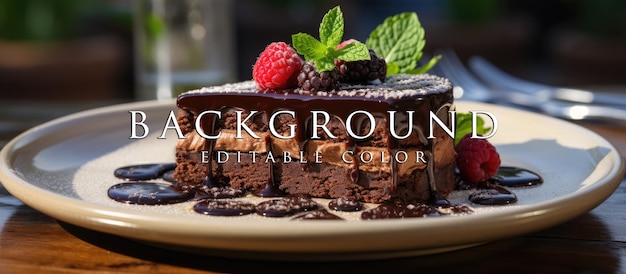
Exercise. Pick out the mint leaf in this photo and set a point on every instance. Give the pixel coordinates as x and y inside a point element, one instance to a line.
<point>326,63</point>
<point>433,61</point>
<point>397,40</point>
<point>323,52</point>
<point>331,28</point>
<point>400,41</point>
<point>354,51</point>
<point>464,126</point>
<point>392,68</point>
<point>308,46</point>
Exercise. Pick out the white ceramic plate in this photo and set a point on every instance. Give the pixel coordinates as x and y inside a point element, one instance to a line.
<point>63,169</point>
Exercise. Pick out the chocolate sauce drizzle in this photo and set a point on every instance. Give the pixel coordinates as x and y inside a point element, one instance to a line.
<point>271,188</point>
<point>219,200</point>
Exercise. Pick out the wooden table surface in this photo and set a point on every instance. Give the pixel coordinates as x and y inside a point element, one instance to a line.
<point>31,242</point>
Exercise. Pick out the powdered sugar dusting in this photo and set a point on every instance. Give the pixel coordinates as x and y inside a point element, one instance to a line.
<point>394,87</point>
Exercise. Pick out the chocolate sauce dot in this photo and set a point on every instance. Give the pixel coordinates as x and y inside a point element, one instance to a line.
<point>224,207</point>
<point>218,192</point>
<point>286,206</point>
<point>169,176</point>
<point>516,177</point>
<point>345,204</point>
<point>148,193</point>
<point>143,172</point>
<point>495,195</point>
<point>398,211</point>
<point>317,215</point>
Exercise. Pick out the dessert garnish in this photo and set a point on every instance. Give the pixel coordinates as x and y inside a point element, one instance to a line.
<point>277,67</point>
<point>394,47</point>
<point>320,72</point>
<point>465,125</point>
<point>479,166</point>
<point>477,159</point>
<point>363,71</point>
<point>311,80</point>
<point>325,51</point>
<point>399,40</point>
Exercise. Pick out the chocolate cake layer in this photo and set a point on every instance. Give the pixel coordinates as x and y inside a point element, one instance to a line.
<point>329,144</point>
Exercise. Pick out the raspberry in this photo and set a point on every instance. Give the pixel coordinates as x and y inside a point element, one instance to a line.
<point>344,43</point>
<point>477,159</point>
<point>277,67</point>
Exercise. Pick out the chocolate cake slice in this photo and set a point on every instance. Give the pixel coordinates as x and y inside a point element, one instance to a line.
<point>374,143</point>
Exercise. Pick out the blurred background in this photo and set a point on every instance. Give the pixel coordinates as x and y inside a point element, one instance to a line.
<point>95,50</point>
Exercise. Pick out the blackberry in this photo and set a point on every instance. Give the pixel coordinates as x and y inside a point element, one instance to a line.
<point>362,71</point>
<point>312,81</point>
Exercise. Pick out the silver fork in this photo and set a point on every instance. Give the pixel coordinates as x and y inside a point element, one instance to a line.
<point>468,87</point>
<point>496,77</point>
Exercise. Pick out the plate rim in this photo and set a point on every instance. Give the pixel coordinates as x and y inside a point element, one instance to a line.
<point>116,221</point>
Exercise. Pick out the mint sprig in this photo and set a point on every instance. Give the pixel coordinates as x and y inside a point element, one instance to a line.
<point>323,52</point>
<point>400,41</point>
<point>464,126</point>
<point>331,27</point>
